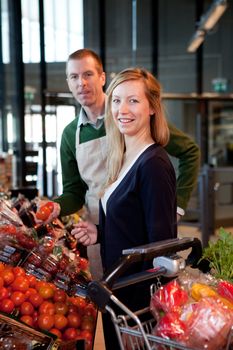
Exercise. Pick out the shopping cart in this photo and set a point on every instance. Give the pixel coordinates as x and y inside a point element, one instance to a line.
<point>135,329</point>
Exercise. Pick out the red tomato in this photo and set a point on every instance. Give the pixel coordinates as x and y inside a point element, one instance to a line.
<point>18,298</point>
<point>60,296</point>
<point>26,308</point>
<point>50,205</point>
<point>47,308</point>
<point>4,293</point>
<point>2,266</point>
<point>60,321</point>
<point>7,306</point>
<point>72,309</point>
<point>40,284</point>
<point>70,333</point>
<point>7,276</point>
<point>78,301</point>
<point>36,299</point>
<point>18,271</point>
<point>45,322</point>
<point>1,282</point>
<point>88,323</point>
<point>32,280</point>
<point>61,308</point>
<point>56,332</point>
<point>46,291</point>
<point>87,335</point>
<point>74,320</point>
<point>20,283</point>
<point>90,310</point>
<point>29,292</point>
<point>27,320</point>
<point>43,213</point>
<point>83,263</point>
<point>35,319</point>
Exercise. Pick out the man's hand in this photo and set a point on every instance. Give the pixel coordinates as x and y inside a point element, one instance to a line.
<point>85,232</point>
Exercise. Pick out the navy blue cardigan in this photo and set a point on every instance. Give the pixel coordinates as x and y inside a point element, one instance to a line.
<point>142,209</point>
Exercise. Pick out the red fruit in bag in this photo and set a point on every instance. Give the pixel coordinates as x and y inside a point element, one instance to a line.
<point>225,289</point>
<point>171,327</point>
<point>169,297</point>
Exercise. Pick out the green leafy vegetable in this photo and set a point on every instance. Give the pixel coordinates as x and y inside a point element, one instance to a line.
<point>220,255</point>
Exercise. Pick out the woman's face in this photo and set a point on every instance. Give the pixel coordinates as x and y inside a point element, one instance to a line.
<point>130,108</point>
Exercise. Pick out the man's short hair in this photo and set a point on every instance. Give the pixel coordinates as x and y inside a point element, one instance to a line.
<point>82,53</point>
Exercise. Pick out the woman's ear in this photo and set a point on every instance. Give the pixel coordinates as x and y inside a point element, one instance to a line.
<point>152,111</point>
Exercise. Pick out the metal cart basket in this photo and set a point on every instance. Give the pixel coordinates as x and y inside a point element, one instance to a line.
<point>135,329</point>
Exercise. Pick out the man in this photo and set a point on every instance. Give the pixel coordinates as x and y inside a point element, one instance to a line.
<point>83,147</point>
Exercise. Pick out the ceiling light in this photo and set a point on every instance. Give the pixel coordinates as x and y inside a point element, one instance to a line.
<point>196,41</point>
<point>206,23</point>
<point>212,16</point>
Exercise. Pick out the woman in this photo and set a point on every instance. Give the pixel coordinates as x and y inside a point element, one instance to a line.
<point>138,203</point>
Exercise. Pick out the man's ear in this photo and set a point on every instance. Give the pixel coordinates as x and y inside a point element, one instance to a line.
<point>103,77</point>
<point>67,80</point>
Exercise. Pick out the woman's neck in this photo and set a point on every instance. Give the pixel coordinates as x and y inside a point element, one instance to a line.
<point>134,145</point>
<point>133,148</point>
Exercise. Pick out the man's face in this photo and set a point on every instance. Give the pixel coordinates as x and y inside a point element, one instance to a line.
<point>84,81</point>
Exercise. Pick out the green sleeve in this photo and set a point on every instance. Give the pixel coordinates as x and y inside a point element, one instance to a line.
<point>74,188</point>
<point>187,151</point>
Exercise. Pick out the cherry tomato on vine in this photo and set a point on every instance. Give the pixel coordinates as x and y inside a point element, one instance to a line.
<point>43,213</point>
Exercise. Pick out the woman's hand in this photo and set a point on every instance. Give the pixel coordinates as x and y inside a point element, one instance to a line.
<point>85,232</point>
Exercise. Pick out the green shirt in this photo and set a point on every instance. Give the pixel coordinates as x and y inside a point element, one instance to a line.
<point>180,146</point>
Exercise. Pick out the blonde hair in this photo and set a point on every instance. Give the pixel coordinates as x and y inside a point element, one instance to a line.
<point>158,124</point>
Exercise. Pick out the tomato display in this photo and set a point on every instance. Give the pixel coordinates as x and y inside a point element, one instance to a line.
<point>45,307</point>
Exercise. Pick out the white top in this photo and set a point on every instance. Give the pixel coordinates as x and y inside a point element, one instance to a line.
<point>114,185</point>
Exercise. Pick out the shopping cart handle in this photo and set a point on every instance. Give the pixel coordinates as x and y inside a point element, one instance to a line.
<point>149,251</point>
